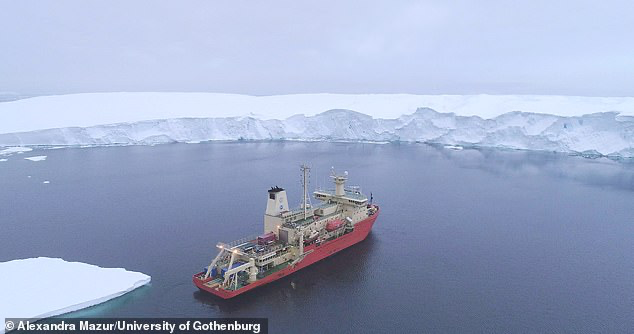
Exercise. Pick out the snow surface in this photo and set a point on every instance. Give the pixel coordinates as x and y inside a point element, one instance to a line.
<point>83,110</point>
<point>595,125</point>
<point>37,158</point>
<point>45,287</point>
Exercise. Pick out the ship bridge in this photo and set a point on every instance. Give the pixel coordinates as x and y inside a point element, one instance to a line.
<point>350,196</point>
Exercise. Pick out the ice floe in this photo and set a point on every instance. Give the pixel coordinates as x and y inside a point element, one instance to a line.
<point>16,149</point>
<point>37,158</point>
<point>45,287</point>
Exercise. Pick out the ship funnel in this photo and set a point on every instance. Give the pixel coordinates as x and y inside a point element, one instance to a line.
<point>277,201</point>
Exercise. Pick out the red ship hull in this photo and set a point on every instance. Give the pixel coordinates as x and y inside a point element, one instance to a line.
<point>361,231</point>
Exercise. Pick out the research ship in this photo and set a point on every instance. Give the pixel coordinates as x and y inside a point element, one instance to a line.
<point>293,238</point>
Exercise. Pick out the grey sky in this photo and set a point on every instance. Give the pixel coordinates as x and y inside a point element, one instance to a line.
<point>278,47</point>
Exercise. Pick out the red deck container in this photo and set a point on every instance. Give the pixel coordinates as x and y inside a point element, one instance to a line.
<point>265,238</point>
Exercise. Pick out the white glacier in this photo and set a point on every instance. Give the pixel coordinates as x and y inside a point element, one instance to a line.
<point>45,287</point>
<point>603,126</point>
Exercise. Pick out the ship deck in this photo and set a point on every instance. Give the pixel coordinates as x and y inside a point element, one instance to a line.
<point>308,220</point>
<point>267,273</point>
<point>276,269</point>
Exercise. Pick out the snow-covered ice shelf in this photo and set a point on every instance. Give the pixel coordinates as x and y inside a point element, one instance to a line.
<point>45,287</point>
<point>587,125</point>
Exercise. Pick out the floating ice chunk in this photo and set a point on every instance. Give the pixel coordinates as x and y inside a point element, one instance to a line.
<point>37,158</point>
<point>454,147</point>
<point>4,159</point>
<point>46,182</point>
<point>17,149</point>
<point>45,287</point>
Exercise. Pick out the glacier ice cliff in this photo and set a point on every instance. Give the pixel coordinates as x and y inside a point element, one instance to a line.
<point>604,133</point>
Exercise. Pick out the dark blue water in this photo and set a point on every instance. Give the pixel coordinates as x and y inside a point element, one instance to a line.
<point>468,241</point>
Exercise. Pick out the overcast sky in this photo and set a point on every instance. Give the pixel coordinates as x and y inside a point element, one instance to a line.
<point>265,47</point>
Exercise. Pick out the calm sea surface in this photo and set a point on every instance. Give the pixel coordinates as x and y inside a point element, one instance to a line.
<point>467,241</point>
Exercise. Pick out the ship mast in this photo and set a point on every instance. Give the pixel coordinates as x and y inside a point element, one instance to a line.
<point>340,182</point>
<point>306,200</point>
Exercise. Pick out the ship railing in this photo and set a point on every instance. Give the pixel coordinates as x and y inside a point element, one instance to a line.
<point>238,242</point>
<point>354,192</point>
<point>273,248</point>
<point>266,249</point>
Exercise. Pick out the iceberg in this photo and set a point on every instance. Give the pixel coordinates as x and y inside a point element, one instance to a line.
<point>44,287</point>
<point>454,147</point>
<point>548,123</point>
